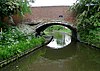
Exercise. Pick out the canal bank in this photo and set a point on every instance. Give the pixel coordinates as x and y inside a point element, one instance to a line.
<point>16,57</point>
<point>75,56</point>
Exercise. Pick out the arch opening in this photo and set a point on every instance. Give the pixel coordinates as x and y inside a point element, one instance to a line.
<point>58,28</point>
<point>45,26</point>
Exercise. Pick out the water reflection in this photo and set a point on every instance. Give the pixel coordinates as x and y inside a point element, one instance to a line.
<point>60,40</point>
<point>74,57</point>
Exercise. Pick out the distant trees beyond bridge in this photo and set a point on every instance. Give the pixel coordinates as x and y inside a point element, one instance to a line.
<point>41,27</point>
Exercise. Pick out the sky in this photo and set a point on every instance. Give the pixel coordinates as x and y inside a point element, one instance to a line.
<point>53,2</point>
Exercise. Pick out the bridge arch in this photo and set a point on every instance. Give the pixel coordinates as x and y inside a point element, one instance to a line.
<point>42,27</point>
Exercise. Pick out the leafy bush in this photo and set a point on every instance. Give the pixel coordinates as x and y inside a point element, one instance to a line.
<point>58,28</point>
<point>13,42</point>
<point>8,8</point>
<point>88,20</point>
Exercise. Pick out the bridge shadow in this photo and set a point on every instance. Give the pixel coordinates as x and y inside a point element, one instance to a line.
<point>40,28</point>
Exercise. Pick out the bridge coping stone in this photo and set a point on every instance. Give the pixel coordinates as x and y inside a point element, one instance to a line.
<point>60,22</point>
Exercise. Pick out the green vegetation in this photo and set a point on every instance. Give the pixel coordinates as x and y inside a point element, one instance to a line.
<point>13,42</point>
<point>58,28</point>
<point>88,20</point>
<point>8,8</point>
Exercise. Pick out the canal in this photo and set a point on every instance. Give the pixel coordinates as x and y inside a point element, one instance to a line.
<point>61,54</point>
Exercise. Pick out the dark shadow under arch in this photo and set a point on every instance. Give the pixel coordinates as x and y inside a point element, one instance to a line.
<point>44,26</point>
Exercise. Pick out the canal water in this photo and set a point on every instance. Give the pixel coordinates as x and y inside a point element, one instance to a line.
<point>62,54</point>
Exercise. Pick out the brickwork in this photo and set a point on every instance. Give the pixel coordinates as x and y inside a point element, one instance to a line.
<point>48,13</point>
<point>52,12</point>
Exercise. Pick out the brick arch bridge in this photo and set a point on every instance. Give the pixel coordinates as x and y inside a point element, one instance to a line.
<point>41,27</point>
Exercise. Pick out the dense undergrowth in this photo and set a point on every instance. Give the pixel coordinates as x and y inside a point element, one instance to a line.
<point>13,42</point>
<point>88,21</point>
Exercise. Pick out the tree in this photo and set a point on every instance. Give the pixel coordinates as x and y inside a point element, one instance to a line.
<point>11,7</point>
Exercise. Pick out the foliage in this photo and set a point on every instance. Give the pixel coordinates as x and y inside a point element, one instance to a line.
<point>13,42</point>
<point>88,14</point>
<point>11,7</point>
<point>57,28</point>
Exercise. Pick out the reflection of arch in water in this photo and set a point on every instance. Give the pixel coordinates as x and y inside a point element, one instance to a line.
<point>67,52</point>
<point>56,43</point>
<point>44,26</point>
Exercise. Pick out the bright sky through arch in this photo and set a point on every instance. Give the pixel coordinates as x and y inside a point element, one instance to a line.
<point>53,3</point>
